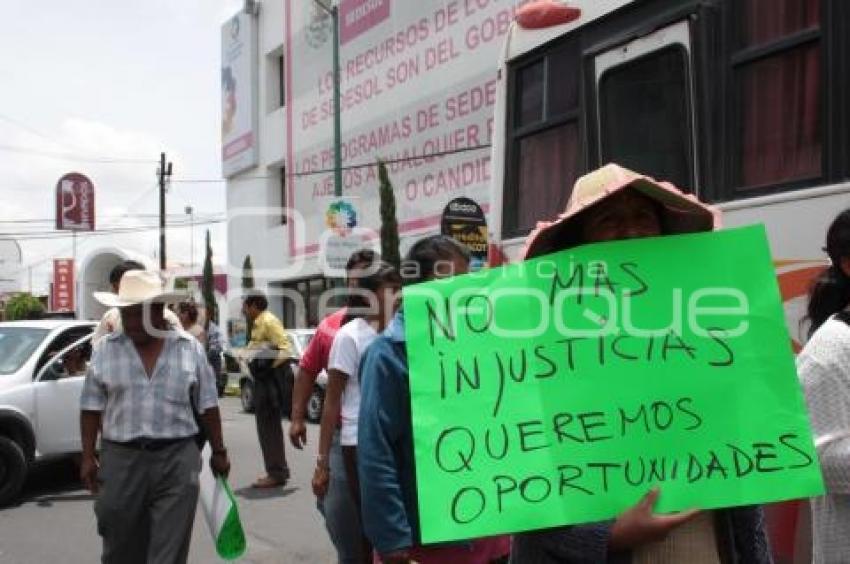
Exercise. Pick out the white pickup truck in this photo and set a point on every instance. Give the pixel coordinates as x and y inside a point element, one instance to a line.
<point>42,368</point>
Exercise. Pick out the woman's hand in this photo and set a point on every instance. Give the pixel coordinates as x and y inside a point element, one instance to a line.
<point>639,525</point>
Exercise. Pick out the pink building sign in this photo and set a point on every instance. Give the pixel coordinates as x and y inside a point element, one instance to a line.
<point>358,16</point>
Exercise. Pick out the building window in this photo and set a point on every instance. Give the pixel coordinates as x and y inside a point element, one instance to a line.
<point>281,82</point>
<point>275,80</point>
<point>301,300</point>
<point>644,114</point>
<point>778,89</point>
<point>284,200</point>
<point>543,148</point>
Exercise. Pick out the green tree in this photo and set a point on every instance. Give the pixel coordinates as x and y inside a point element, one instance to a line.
<point>24,306</point>
<point>247,284</point>
<point>389,222</point>
<point>208,284</point>
<point>247,273</point>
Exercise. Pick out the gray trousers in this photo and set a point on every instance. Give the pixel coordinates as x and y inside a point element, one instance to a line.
<point>267,412</point>
<point>342,519</point>
<point>145,508</point>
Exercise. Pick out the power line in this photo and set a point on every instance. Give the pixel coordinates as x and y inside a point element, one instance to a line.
<point>398,160</point>
<point>212,180</point>
<point>35,235</point>
<point>63,235</point>
<point>54,234</point>
<point>51,139</point>
<point>71,156</point>
<point>36,132</point>
<point>413,158</point>
<point>125,216</point>
<point>49,256</point>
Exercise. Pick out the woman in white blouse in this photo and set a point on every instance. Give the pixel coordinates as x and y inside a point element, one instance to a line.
<point>824,369</point>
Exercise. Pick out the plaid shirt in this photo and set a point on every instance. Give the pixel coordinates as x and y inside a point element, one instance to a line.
<point>135,406</point>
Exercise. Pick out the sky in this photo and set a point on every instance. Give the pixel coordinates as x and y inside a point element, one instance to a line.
<point>91,80</point>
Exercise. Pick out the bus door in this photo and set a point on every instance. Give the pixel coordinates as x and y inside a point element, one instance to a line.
<point>645,117</point>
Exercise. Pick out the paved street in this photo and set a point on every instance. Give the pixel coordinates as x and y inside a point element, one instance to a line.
<point>54,521</point>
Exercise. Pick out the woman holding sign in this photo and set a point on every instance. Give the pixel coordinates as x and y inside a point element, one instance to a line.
<point>385,433</point>
<point>824,368</point>
<point>610,204</point>
<point>370,307</point>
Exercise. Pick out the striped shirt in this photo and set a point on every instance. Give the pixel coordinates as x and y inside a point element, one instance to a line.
<point>135,406</point>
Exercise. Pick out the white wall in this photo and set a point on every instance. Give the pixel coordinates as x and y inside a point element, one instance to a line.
<point>251,230</point>
<point>93,276</point>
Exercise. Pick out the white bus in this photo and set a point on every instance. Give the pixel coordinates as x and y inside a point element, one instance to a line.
<point>744,102</point>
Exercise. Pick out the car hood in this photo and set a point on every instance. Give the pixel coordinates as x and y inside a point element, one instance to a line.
<point>14,380</point>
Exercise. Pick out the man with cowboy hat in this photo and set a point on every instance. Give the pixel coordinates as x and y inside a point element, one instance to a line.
<point>144,386</point>
<point>609,204</point>
<point>111,320</point>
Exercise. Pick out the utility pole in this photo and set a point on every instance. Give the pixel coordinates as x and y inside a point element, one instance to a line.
<point>333,10</point>
<point>191,213</point>
<point>337,109</point>
<point>164,174</point>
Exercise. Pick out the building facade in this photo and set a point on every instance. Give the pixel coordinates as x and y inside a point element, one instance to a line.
<point>418,89</point>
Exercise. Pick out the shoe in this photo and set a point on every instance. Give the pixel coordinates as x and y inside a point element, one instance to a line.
<point>268,482</point>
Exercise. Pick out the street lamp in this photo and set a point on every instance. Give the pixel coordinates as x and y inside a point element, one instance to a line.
<point>190,212</point>
<point>333,10</point>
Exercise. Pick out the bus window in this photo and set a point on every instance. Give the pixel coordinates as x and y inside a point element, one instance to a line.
<point>543,138</point>
<point>530,90</point>
<point>547,169</point>
<point>644,106</point>
<point>777,94</point>
<point>643,110</point>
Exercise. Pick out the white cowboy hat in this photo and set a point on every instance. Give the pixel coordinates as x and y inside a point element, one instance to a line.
<point>137,287</point>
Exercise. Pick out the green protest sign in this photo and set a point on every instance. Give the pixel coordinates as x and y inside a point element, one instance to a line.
<point>560,390</point>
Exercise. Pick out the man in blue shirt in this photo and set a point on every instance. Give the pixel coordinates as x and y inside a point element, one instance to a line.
<point>385,432</point>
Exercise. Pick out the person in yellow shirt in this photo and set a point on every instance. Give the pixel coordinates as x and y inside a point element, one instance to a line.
<point>269,348</point>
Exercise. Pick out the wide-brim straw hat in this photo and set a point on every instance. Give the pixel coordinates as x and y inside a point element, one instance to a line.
<point>138,287</point>
<point>681,213</point>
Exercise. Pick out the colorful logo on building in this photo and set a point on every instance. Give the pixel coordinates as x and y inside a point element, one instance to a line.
<point>341,217</point>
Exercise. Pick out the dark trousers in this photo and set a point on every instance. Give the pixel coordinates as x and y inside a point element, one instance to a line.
<point>268,400</point>
<point>145,508</point>
<point>349,456</point>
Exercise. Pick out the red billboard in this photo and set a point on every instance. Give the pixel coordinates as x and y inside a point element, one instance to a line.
<point>62,296</point>
<point>359,16</point>
<point>75,203</point>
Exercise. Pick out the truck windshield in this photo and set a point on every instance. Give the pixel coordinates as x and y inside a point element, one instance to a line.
<point>16,345</point>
